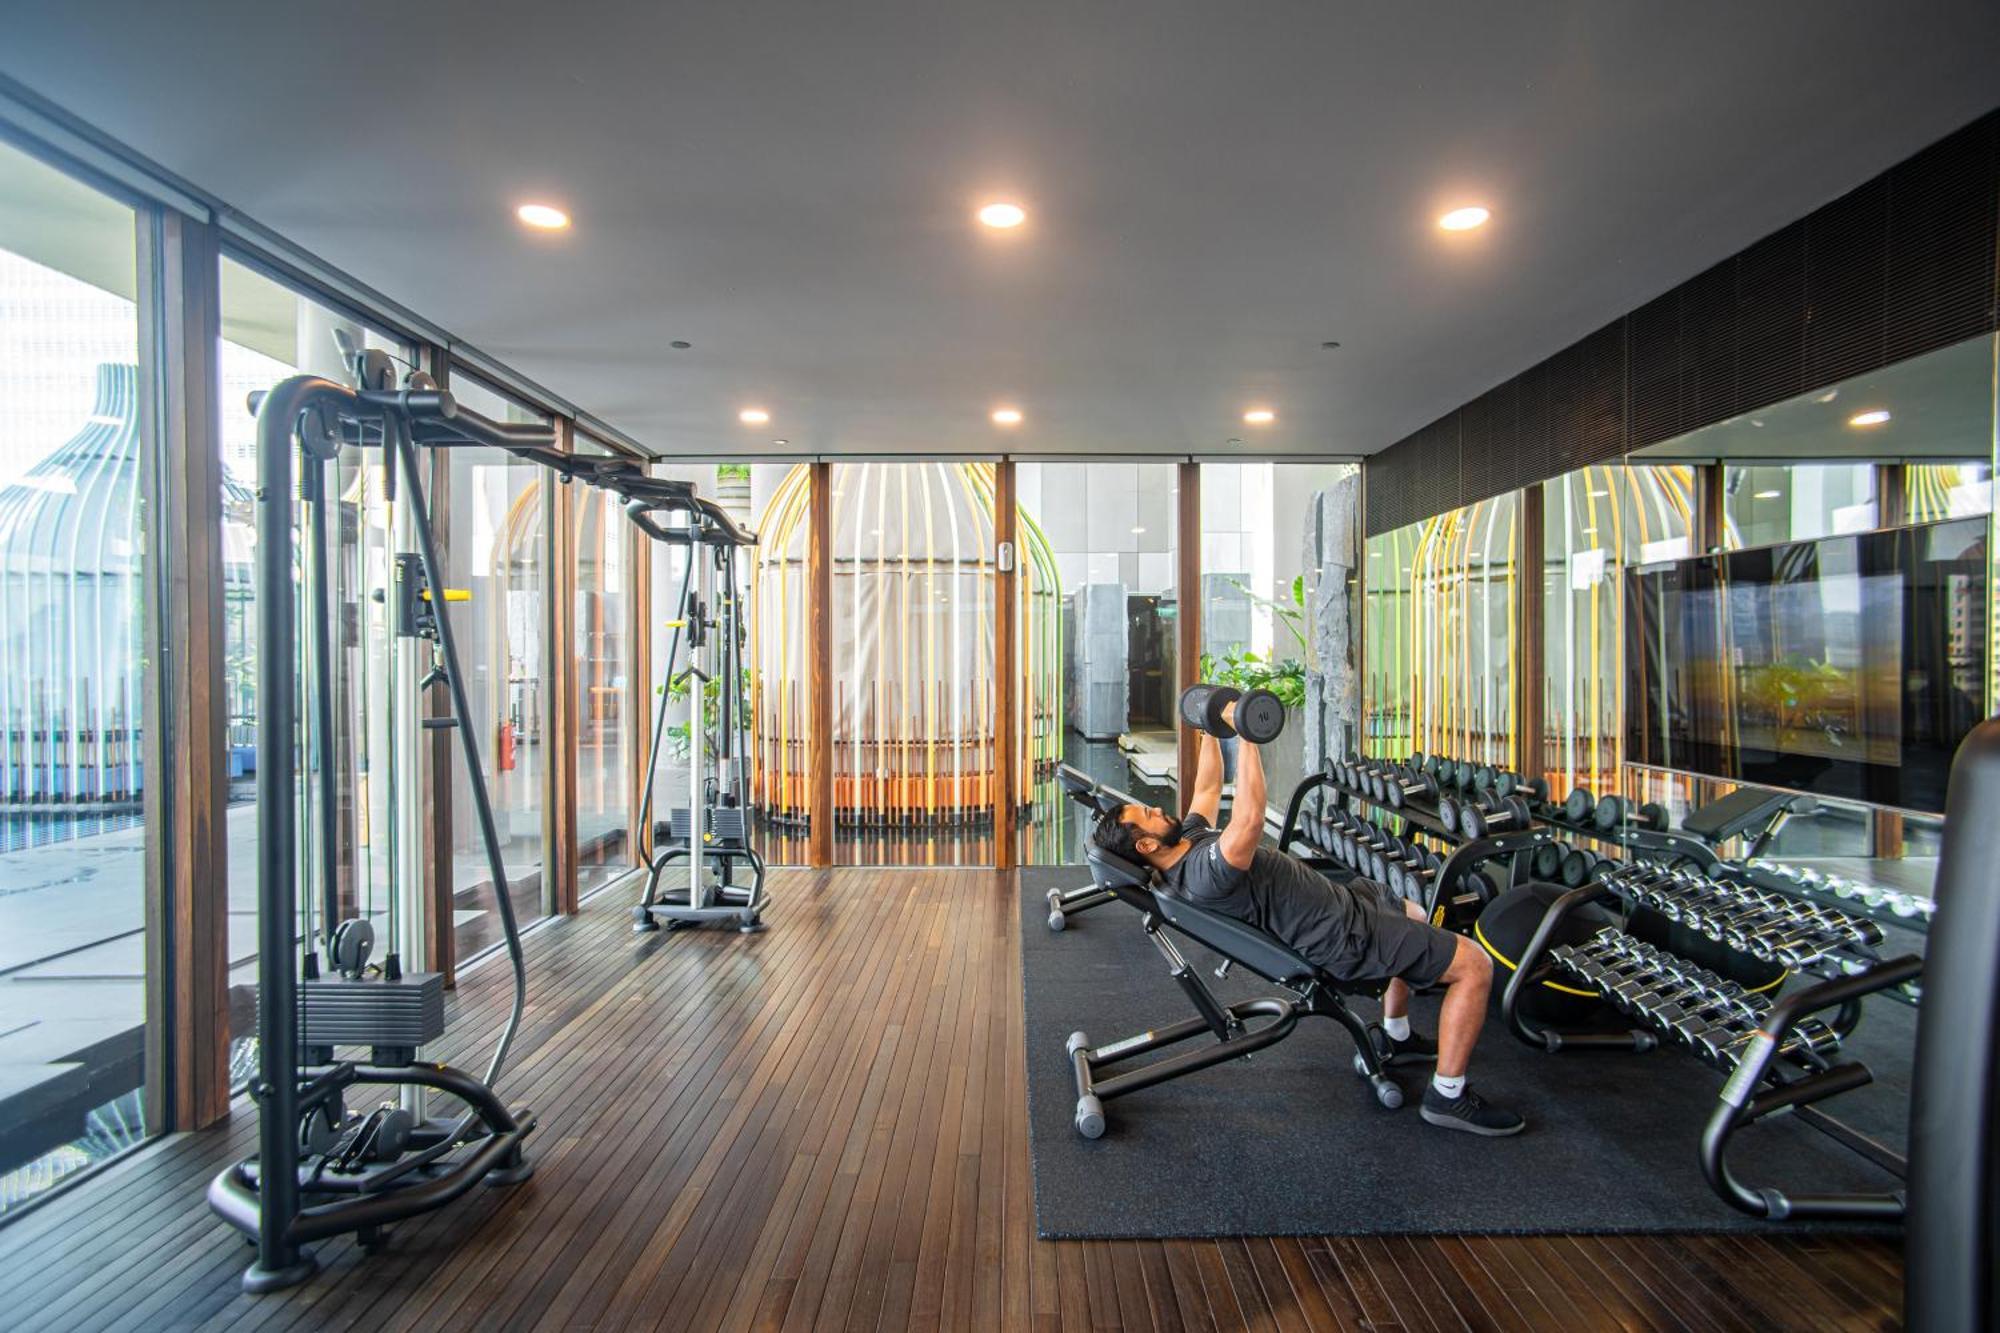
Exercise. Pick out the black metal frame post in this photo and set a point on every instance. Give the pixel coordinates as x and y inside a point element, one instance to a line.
<point>280,1259</point>
<point>1951,1281</point>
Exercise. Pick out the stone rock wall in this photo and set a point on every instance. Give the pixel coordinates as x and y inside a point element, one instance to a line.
<point>1332,555</point>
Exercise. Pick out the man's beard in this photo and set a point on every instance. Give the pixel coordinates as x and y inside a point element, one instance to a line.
<point>1172,837</point>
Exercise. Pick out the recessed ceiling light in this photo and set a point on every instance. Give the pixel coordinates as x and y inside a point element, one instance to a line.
<point>1464,219</point>
<point>679,345</point>
<point>781,443</point>
<point>543,217</point>
<point>1328,346</point>
<point>1873,417</point>
<point>753,416</point>
<point>1006,416</point>
<point>1001,215</point>
<point>1260,416</point>
<point>1232,440</point>
<point>1137,531</point>
<point>1767,495</point>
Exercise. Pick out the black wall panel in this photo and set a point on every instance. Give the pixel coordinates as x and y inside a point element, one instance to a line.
<point>1905,264</point>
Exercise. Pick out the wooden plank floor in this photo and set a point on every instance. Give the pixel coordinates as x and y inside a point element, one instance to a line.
<point>826,1126</point>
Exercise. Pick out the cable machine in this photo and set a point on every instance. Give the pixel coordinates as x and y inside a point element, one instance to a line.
<point>712,832</point>
<point>324,1168</point>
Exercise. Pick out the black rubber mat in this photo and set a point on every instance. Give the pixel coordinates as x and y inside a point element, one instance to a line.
<point>1292,1142</point>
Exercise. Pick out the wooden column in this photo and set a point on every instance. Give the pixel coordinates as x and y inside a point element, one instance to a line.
<point>1711,482</point>
<point>1892,498</point>
<point>185,750</point>
<point>638,701</point>
<point>440,752</point>
<point>1187,631</point>
<point>1007,738</point>
<point>559,511</point>
<point>819,665</point>
<point>1530,748</point>
<point>1892,510</point>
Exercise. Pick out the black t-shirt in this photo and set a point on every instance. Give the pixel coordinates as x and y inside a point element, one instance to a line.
<point>1278,894</point>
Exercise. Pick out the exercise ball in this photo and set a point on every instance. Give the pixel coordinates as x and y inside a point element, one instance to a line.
<point>1506,928</point>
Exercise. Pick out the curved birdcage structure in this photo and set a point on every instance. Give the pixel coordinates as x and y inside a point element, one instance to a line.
<point>71,595</point>
<point>914,579</point>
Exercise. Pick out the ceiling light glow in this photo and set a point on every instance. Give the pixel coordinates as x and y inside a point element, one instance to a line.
<point>1259,416</point>
<point>1001,215</point>
<point>1767,495</point>
<point>543,217</point>
<point>753,416</point>
<point>1006,416</point>
<point>1873,417</point>
<point>1464,219</point>
<point>1137,531</point>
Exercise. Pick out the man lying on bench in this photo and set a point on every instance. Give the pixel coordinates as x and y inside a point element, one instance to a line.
<point>1355,931</point>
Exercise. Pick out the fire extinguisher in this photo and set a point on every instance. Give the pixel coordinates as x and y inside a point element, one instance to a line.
<point>503,752</point>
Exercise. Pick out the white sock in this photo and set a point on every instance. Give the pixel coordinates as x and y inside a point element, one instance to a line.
<point>1398,1027</point>
<point>1448,1087</point>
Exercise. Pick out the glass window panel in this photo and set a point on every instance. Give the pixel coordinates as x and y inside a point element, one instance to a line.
<point>1267,536</point>
<point>73,573</point>
<point>756,496</point>
<point>1097,619</point>
<point>270,332</point>
<point>498,549</point>
<point>604,689</point>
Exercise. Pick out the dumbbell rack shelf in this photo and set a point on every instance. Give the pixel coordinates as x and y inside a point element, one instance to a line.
<point>1466,855</point>
<point>1857,903</point>
<point>1653,843</point>
<point>1778,1056</point>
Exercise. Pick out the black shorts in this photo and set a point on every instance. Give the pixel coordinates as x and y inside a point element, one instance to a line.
<point>1390,944</point>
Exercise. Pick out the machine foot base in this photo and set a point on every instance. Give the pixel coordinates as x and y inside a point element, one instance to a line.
<point>258,1279</point>
<point>754,926</point>
<point>509,1175</point>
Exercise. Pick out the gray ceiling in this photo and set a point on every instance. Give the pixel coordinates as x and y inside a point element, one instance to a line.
<point>1214,189</point>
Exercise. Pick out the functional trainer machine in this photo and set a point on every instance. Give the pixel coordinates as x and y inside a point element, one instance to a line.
<point>324,1168</point>
<point>712,832</point>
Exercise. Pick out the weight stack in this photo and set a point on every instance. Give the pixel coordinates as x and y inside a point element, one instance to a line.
<point>374,1012</point>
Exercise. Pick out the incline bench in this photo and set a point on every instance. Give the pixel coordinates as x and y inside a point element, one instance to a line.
<point>1238,1029</point>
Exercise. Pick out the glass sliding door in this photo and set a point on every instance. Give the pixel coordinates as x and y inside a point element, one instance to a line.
<point>73,587</point>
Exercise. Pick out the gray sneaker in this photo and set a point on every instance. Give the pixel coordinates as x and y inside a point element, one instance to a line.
<point>1468,1113</point>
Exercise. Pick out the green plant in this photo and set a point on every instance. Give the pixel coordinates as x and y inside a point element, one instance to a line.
<point>1283,676</point>
<point>1248,670</point>
<point>711,710</point>
<point>726,472</point>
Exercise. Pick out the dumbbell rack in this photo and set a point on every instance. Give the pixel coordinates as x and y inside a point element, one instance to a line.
<point>1652,844</point>
<point>1778,1055</point>
<point>1456,870</point>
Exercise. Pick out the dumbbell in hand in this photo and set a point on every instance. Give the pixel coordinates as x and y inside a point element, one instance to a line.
<point>1258,716</point>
